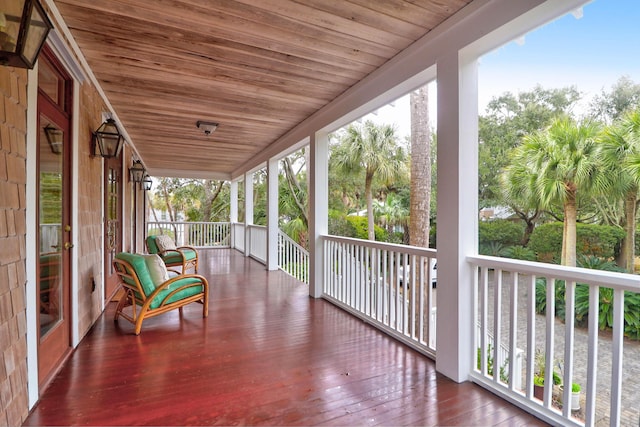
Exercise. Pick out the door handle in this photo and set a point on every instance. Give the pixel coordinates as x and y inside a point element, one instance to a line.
<point>68,245</point>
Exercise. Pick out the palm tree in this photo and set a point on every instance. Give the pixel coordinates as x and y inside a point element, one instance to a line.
<point>554,166</point>
<point>621,153</point>
<point>420,202</point>
<point>373,149</point>
<point>391,212</point>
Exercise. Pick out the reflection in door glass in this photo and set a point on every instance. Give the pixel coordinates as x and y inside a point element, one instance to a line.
<point>50,222</point>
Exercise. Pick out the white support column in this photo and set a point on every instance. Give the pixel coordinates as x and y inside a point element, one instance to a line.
<point>457,212</point>
<point>248,211</point>
<point>233,211</point>
<point>32,251</point>
<point>318,209</point>
<point>272,214</point>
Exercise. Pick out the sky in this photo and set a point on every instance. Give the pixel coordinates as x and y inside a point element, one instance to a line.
<point>590,52</point>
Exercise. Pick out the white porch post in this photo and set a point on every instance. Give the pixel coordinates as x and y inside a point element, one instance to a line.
<point>233,210</point>
<point>272,214</point>
<point>457,212</point>
<point>248,211</point>
<point>318,209</point>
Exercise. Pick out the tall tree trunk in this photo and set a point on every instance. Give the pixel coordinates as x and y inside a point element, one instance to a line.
<point>420,198</point>
<point>368,183</point>
<point>167,201</point>
<point>212,189</point>
<point>153,210</point>
<point>629,242</point>
<point>420,202</point>
<point>295,189</point>
<point>569,238</point>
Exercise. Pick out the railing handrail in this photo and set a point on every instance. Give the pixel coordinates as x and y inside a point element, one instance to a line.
<point>200,234</point>
<point>292,242</point>
<point>410,250</point>
<point>609,279</point>
<point>188,222</point>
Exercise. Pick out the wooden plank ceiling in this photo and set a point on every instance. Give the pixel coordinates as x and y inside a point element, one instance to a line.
<point>256,67</point>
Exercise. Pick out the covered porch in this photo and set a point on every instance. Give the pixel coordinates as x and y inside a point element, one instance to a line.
<point>274,350</point>
<point>267,354</point>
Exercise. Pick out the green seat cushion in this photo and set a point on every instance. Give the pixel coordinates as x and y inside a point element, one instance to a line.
<point>174,258</point>
<point>139,264</point>
<point>189,254</point>
<point>185,293</point>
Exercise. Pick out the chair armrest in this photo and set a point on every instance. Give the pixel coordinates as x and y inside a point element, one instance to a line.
<point>187,247</point>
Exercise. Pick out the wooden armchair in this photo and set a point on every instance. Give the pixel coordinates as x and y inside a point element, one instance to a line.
<point>148,299</point>
<point>182,256</point>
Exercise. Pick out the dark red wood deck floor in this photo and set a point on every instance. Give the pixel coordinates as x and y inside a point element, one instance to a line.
<point>266,355</point>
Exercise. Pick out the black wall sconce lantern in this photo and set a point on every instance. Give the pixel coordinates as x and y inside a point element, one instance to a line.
<point>108,139</point>
<point>146,183</point>
<point>55,138</point>
<point>24,27</point>
<point>137,171</point>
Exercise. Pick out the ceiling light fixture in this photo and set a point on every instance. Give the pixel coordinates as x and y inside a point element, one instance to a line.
<point>207,127</point>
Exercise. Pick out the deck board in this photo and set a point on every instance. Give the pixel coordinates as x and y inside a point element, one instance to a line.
<point>268,354</point>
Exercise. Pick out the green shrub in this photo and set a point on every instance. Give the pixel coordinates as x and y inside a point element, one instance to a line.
<point>504,376</point>
<point>605,298</point>
<point>338,225</point>
<point>492,249</point>
<point>596,240</point>
<point>541,297</point>
<point>520,252</point>
<point>353,226</point>
<point>360,228</point>
<point>505,232</point>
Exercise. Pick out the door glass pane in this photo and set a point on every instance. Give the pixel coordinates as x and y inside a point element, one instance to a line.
<point>112,215</point>
<point>50,225</point>
<point>50,82</point>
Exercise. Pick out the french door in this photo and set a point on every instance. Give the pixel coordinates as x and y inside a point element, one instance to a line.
<point>53,216</point>
<point>113,221</point>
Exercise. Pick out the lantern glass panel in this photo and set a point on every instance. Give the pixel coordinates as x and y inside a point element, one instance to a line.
<point>10,24</point>
<point>36,32</point>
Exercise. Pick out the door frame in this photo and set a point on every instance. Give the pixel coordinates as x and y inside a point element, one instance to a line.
<point>31,249</point>
<point>61,337</point>
<point>107,293</point>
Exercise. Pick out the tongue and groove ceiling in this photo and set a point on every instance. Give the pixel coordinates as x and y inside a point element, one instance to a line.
<point>256,67</point>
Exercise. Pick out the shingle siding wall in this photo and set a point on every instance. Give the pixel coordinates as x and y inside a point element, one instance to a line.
<point>13,342</point>
<point>14,404</point>
<point>90,230</point>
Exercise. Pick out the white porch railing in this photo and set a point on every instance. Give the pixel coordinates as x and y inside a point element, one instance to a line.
<point>293,258</point>
<point>258,242</point>
<point>198,234</point>
<point>387,285</point>
<point>237,236</point>
<point>504,306</point>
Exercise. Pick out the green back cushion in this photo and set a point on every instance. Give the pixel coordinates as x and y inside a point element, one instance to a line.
<point>139,264</point>
<point>151,245</point>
